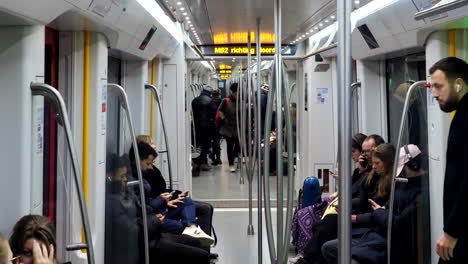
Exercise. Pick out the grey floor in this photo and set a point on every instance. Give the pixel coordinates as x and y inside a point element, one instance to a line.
<point>234,245</point>
<point>222,188</point>
<point>219,183</point>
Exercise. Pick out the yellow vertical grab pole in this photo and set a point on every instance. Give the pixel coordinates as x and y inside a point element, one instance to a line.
<point>85,161</point>
<point>85,114</point>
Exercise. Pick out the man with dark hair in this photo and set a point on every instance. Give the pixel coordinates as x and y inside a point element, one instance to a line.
<point>147,155</point>
<point>449,80</point>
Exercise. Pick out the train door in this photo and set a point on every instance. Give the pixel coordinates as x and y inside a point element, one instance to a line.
<point>408,132</point>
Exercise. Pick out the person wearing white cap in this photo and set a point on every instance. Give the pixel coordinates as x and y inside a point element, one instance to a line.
<point>449,81</point>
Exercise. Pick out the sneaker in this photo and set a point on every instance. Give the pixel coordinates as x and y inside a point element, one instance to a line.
<point>216,162</point>
<point>205,167</point>
<point>295,259</point>
<point>204,239</point>
<point>232,168</point>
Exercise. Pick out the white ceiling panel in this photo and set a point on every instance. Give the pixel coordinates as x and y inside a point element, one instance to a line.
<point>212,17</point>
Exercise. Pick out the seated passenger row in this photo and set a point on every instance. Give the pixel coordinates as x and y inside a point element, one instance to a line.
<point>371,184</point>
<point>178,227</point>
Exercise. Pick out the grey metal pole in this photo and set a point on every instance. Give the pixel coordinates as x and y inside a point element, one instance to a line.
<point>239,116</point>
<point>259,146</point>
<point>154,90</point>
<point>279,129</point>
<point>250,229</point>
<point>54,95</point>
<point>126,106</point>
<point>344,128</point>
<point>290,151</point>
<point>266,170</point>
<point>404,117</point>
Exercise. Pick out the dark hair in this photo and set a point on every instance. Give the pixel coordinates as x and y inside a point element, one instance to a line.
<point>357,141</point>
<point>453,68</point>
<point>233,87</point>
<point>386,153</point>
<point>114,162</point>
<point>377,139</point>
<point>144,150</point>
<point>32,226</point>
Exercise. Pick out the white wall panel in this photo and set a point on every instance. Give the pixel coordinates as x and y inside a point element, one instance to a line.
<point>373,98</point>
<point>136,74</point>
<point>21,62</point>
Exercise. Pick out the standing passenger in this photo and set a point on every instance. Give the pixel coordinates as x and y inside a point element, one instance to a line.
<point>449,86</point>
<point>204,113</point>
<point>228,113</point>
<point>216,145</point>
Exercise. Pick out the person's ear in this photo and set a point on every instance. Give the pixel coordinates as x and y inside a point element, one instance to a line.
<point>459,84</point>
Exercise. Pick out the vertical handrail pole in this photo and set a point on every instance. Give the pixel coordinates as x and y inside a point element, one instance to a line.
<point>250,229</point>
<point>344,8</point>
<point>239,124</point>
<point>192,87</point>
<point>56,98</point>
<point>266,168</point>
<point>279,129</point>
<point>259,146</point>
<point>154,90</point>
<point>290,148</point>
<point>404,117</point>
<point>126,106</point>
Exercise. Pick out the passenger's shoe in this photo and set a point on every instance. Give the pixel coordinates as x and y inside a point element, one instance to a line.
<point>232,168</point>
<point>197,233</point>
<point>212,157</point>
<point>213,256</point>
<point>205,167</point>
<point>216,162</point>
<point>295,259</point>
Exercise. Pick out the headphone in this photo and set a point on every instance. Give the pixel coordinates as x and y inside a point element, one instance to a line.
<point>412,163</point>
<point>458,88</point>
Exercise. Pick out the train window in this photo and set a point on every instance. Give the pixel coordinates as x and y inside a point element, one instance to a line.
<point>411,204</point>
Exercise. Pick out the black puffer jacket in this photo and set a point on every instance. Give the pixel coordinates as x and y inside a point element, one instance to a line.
<point>204,112</point>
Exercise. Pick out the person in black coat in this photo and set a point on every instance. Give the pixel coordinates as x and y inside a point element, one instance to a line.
<point>215,155</point>
<point>449,80</point>
<point>204,114</point>
<point>124,229</point>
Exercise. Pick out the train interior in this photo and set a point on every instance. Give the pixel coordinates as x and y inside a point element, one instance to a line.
<point>80,79</point>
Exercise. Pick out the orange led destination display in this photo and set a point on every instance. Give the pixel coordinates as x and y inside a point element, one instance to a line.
<point>225,50</point>
<point>243,50</point>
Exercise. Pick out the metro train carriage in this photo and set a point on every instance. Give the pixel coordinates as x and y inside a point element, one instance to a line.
<point>263,113</point>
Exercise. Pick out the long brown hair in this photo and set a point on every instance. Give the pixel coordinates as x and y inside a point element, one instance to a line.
<point>386,153</point>
<point>3,249</point>
<point>32,226</point>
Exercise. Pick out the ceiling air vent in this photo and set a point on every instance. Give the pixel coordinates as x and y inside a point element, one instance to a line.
<point>368,37</point>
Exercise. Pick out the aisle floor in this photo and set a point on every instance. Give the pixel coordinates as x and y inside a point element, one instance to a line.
<point>234,245</point>
<point>219,183</point>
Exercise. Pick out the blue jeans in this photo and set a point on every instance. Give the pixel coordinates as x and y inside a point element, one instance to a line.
<point>177,219</point>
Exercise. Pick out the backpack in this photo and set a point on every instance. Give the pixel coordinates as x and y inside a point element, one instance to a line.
<point>219,121</point>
